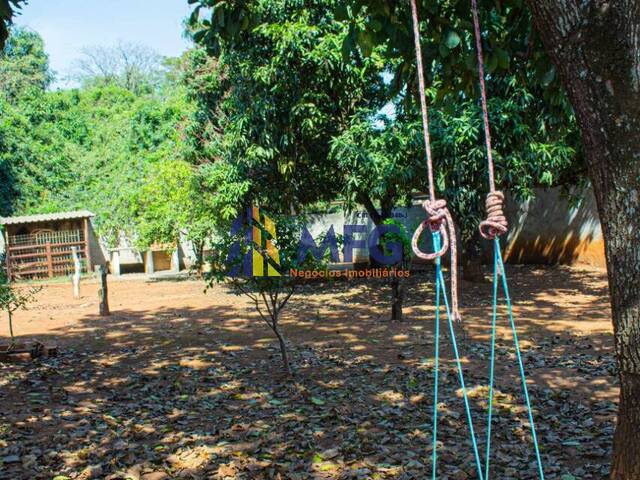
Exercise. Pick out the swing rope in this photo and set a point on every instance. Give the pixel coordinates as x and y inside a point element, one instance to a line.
<point>492,228</point>
<point>443,235</point>
<point>438,215</point>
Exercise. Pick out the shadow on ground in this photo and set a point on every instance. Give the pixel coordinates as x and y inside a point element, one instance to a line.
<point>185,392</point>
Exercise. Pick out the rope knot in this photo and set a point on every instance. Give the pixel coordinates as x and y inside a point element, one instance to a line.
<point>437,212</point>
<point>439,220</point>
<point>496,221</point>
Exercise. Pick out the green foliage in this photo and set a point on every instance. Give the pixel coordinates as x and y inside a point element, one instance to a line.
<point>24,65</point>
<point>511,44</point>
<point>104,148</point>
<point>381,157</point>
<point>269,294</point>
<point>8,9</point>
<point>13,299</point>
<point>402,237</point>
<point>529,151</point>
<point>275,96</point>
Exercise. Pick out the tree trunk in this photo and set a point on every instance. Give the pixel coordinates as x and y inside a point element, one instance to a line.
<point>397,290</point>
<point>283,345</point>
<point>198,248</point>
<point>13,337</point>
<point>472,259</point>
<point>595,46</point>
<point>397,297</point>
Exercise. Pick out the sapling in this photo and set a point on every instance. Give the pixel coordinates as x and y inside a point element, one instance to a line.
<point>12,299</point>
<point>269,294</point>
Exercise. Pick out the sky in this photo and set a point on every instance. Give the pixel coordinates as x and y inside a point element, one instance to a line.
<point>69,25</point>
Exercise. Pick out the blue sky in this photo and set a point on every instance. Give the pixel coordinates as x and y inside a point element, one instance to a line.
<point>69,25</point>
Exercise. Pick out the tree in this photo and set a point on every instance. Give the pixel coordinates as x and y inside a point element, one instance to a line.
<point>543,147</point>
<point>92,148</point>
<point>12,299</point>
<point>8,8</point>
<point>284,106</point>
<point>132,66</point>
<point>282,91</point>
<point>24,65</point>
<point>172,204</point>
<point>276,248</point>
<point>595,47</point>
<point>593,51</point>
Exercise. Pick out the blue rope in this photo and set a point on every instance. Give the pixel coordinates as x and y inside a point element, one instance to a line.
<point>434,456</point>
<point>494,314</point>
<point>440,286</point>
<point>500,271</point>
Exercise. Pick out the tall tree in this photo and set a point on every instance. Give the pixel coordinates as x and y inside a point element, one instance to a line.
<point>24,65</point>
<point>8,9</point>
<point>593,51</point>
<point>287,106</point>
<point>282,91</point>
<point>595,46</point>
<point>133,66</point>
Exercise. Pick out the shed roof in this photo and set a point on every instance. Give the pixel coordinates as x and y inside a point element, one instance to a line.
<point>46,217</point>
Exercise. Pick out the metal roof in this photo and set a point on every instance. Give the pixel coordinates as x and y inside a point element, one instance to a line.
<point>45,217</point>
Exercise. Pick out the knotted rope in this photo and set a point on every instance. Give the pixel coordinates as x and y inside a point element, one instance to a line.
<point>439,220</point>
<point>438,215</point>
<point>492,228</point>
<point>495,224</point>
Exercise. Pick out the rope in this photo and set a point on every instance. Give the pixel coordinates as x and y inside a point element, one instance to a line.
<point>438,215</point>
<point>516,343</point>
<point>496,222</point>
<point>440,289</point>
<point>436,366</point>
<point>492,228</point>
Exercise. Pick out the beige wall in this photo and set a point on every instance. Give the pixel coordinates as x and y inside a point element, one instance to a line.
<point>549,230</point>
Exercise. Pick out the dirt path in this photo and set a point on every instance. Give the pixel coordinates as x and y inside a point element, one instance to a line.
<point>187,385</point>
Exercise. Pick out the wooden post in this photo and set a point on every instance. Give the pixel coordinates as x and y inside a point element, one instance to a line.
<point>87,245</point>
<point>7,255</point>
<point>103,293</point>
<point>175,260</point>
<point>49,259</point>
<point>149,267</point>
<point>115,263</point>
<point>76,274</point>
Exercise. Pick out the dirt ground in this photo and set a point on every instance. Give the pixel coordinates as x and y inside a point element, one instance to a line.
<point>179,383</point>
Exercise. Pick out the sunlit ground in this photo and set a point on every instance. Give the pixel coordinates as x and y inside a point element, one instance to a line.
<point>177,383</point>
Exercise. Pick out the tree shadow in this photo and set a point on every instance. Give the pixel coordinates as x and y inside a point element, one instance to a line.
<point>198,392</point>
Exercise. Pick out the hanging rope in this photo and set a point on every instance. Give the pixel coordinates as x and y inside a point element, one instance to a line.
<point>441,289</point>
<point>492,228</point>
<point>438,215</point>
<point>443,235</point>
<point>496,221</point>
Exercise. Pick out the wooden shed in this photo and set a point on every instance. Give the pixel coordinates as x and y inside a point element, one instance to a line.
<point>40,246</point>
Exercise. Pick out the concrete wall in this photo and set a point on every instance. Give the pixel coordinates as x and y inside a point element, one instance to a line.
<point>545,230</point>
<point>549,230</point>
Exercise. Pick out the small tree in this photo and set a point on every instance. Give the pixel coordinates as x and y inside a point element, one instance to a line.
<point>245,264</point>
<point>12,299</point>
<point>400,237</point>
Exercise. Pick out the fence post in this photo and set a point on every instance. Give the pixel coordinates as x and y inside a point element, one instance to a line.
<point>49,259</point>
<point>149,266</point>
<point>76,275</point>
<point>103,293</point>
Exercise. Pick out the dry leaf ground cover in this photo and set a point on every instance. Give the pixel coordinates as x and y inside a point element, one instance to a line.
<point>182,384</point>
